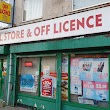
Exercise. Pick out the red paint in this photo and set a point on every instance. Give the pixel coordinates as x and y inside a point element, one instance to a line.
<point>28,64</point>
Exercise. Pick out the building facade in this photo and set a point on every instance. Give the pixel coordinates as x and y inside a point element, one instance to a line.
<point>56,55</point>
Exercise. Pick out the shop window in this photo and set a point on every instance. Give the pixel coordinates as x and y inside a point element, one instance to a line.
<point>64,82</point>
<point>89,75</point>
<point>28,75</point>
<point>79,4</point>
<point>32,9</point>
<point>48,77</point>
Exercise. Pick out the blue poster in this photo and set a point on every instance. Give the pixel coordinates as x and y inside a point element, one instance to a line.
<point>27,83</point>
<point>89,90</point>
<point>100,70</point>
<point>102,91</point>
<point>86,69</point>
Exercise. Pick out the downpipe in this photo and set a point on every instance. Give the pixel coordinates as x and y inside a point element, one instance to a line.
<point>9,80</point>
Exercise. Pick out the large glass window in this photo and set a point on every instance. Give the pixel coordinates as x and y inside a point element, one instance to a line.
<point>28,75</point>
<point>89,75</point>
<point>48,77</point>
<point>78,4</point>
<point>32,9</point>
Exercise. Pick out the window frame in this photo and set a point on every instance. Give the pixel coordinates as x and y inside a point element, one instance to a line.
<point>23,21</point>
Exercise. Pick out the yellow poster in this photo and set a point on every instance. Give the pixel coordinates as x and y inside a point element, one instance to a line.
<point>5,12</point>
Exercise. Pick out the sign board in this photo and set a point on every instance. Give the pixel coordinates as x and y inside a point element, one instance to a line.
<point>5,12</point>
<point>93,21</point>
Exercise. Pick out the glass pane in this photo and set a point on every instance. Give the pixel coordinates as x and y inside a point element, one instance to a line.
<point>90,79</point>
<point>30,7</point>
<point>48,77</point>
<point>77,4</point>
<point>65,77</point>
<point>28,75</point>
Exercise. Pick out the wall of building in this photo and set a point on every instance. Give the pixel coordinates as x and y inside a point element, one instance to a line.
<point>51,9</point>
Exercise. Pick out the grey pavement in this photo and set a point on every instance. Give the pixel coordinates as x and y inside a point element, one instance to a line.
<point>13,108</point>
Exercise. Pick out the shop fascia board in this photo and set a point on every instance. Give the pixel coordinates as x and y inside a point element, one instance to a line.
<point>88,42</point>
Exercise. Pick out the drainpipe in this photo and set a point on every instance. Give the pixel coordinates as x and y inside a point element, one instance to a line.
<point>9,80</point>
<point>10,62</point>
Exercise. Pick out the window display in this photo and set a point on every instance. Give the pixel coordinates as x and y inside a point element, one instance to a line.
<point>89,79</point>
<point>48,77</point>
<point>28,75</point>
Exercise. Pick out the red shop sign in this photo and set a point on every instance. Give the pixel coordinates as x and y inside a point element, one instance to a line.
<point>28,64</point>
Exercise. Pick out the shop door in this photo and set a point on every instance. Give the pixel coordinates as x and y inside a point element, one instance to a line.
<point>3,69</point>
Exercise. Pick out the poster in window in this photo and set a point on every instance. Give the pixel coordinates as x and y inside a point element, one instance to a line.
<point>74,69</point>
<point>28,83</point>
<point>64,85</point>
<point>64,82</point>
<point>86,69</point>
<point>102,91</point>
<point>46,70</point>
<point>89,90</point>
<point>47,87</point>
<point>76,85</point>
<point>65,64</point>
<point>100,70</point>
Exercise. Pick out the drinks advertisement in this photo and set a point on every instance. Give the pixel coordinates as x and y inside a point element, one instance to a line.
<point>47,87</point>
<point>89,90</point>
<point>28,83</point>
<point>86,69</point>
<point>64,82</point>
<point>100,70</point>
<point>76,85</point>
<point>102,91</point>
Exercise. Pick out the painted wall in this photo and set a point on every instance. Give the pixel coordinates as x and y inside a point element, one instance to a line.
<point>51,9</point>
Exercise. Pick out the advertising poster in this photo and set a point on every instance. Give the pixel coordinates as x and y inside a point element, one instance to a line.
<point>74,69</point>
<point>100,70</point>
<point>47,87</point>
<point>65,64</point>
<point>46,70</point>
<point>86,69</point>
<point>76,85</point>
<point>89,90</point>
<point>28,83</point>
<point>64,82</point>
<point>102,91</point>
<point>64,85</point>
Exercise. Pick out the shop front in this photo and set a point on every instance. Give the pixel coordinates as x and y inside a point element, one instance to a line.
<point>65,77</point>
<point>62,63</point>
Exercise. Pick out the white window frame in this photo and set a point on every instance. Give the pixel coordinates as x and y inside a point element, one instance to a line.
<point>31,19</point>
<point>87,7</point>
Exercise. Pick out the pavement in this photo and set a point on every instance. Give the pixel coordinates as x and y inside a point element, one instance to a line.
<point>13,108</point>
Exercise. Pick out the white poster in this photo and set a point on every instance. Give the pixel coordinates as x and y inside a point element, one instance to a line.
<point>76,85</point>
<point>74,68</point>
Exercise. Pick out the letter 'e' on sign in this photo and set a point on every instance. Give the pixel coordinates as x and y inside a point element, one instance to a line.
<point>5,12</point>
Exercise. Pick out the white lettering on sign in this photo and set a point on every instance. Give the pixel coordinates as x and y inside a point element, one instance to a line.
<point>89,22</point>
